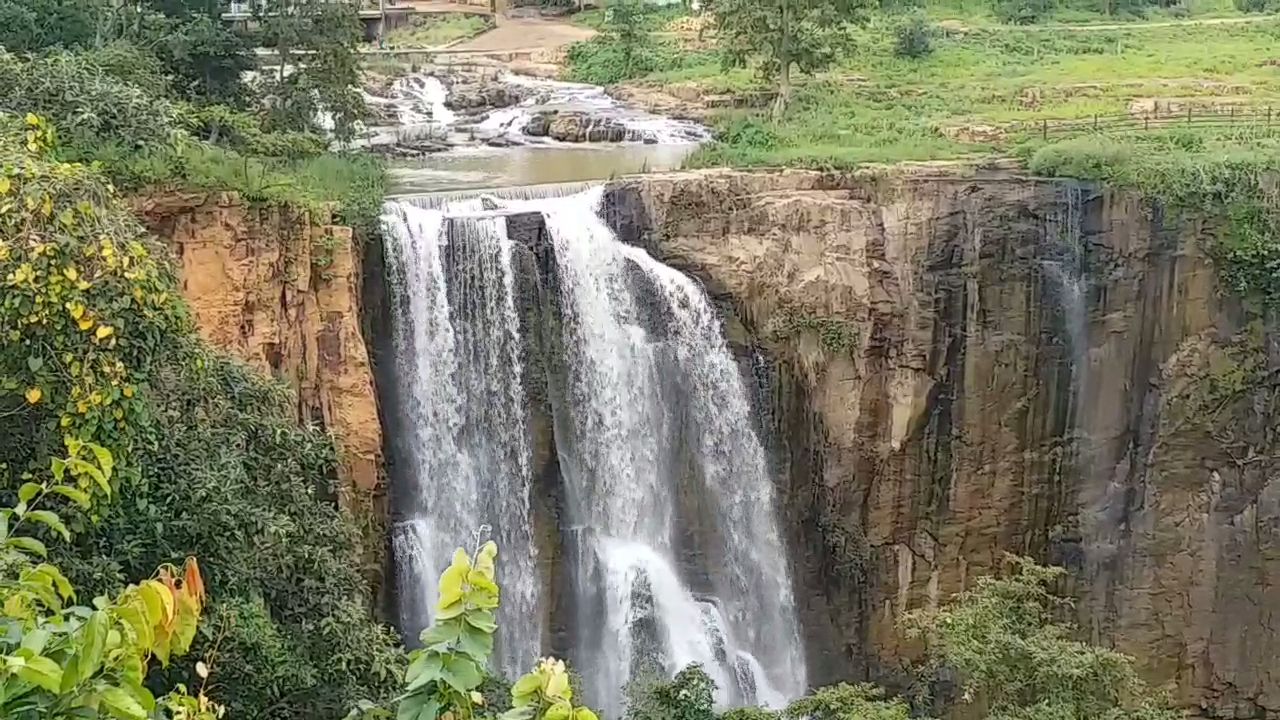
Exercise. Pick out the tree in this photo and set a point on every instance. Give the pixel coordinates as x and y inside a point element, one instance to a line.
<point>805,34</point>
<point>1013,657</point>
<point>316,81</point>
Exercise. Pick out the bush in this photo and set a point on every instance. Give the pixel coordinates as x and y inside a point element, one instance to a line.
<point>1023,12</point>
<point>231,478</point>
<point>98,346</point>
<point>690,695</point>
<point>89,104</point>
<point>913,36</point>
<point>1087,158</point>
<point>1001,638</point>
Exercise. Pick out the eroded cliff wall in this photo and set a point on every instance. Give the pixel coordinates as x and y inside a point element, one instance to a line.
<point>280,289</point>
<point>968,366</point>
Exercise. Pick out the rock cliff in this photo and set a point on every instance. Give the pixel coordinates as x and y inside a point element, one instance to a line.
<point>964,366</point>
<point>280,290</point>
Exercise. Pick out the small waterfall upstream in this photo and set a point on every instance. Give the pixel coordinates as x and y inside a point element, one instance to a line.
<point>649,407</point>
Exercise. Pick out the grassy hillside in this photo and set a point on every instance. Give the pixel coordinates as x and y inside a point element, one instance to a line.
<point>987,89</point>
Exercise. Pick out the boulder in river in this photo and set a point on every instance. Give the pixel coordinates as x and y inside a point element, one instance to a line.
<point>578,127</point>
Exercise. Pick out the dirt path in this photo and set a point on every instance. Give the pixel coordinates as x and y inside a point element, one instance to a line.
<point>525,34</point>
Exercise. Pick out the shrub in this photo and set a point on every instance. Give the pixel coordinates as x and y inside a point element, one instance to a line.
<point>1001,638</point>
<point>913,36</point>
<point>87,102</point>
<point>1023,12</point>
<point>690,695</point>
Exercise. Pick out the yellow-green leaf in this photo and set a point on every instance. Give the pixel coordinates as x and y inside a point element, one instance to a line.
<point>33,395</point>
<point>51,520</point>
<point>103,332</point>
<point>92,644</point>
<point>40,671</point>
<point>122,705</point>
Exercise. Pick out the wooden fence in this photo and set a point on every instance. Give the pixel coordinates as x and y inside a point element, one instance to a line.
<point>1245,117</point>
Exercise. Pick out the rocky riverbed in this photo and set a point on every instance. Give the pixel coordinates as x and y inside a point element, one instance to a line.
<point>448,107</point>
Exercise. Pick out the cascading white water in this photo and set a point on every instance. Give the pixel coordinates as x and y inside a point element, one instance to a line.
<point>651,404</point>
<point>458,356</point>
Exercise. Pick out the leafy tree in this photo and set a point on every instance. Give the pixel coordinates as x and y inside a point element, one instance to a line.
<point>1002,639</point>
<point>36,25</point>
<point>626,24</point>
<point>804,34</point>
<point>322,91</point>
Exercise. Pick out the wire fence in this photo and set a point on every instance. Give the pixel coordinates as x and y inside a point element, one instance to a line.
<point>1252,117</point>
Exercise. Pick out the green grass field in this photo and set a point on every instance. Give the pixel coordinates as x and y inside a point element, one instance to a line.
<point>982,86</point>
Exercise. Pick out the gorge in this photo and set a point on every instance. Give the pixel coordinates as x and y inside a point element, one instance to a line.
<point>942,366</point>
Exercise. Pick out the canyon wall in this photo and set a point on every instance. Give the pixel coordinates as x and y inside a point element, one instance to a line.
<point>280,289</point>
<point>961,367</point>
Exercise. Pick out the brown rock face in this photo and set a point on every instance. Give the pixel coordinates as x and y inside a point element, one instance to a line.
<point>280,290</point>
<point>969,366</point>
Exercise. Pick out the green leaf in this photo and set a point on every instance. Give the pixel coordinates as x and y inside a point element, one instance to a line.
<point>421,706</point>
<point>559,711</point>
<point>51,520</point>
<point>461,674</point>
<point>34,363</point>
<point>80,467</point>
<point>28,545</point>
<point>441,633</point>
<point>29,491</point>
<point>526,685</point>
<point>482,620</point>
<point>58,579</point>
<point>477,644</point>
<point>122,705</point>
<point>75,495</point>
<point>35,641</point>
<point>104,459</point>
<point>452,579</point>
<point>584,713</point>
<point>424,668</point>
<point>450,612</point>
<point>40,671</point>
<point>92,644</point>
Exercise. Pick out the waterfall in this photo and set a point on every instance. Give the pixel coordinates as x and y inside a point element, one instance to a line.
<point>649,406</point>
<point>457,352</point>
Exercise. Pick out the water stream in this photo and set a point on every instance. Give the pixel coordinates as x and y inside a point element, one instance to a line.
<point>493,149</point>
<point>649,406</point>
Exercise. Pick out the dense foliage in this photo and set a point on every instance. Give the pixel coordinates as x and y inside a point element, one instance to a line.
<point>1020,664</point>
<point>98,348</point>
<point>59,660</point>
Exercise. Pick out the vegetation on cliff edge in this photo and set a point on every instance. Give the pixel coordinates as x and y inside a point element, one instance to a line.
<point>98,348</point>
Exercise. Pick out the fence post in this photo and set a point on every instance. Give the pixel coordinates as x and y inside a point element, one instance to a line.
<point>1188,114</point>
<point>1146,121</point>
<point>1044,129</point>
<point>1095,122</point>
<point>1268,116</point>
